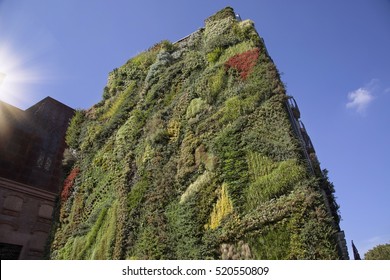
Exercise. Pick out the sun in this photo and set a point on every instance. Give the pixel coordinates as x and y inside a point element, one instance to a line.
<point>16,75</point>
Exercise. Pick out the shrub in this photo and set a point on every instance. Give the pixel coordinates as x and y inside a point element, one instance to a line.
<point>144,60</point>
<point>219,31</point>
<point>69,159</point>
<point>273,244</point>
<point>270,132</point>
<point>235,50</point>
<point>184,231</point>
<point>68,184</point>
<point>164,59</point>
<point>226,12</point>
<point>239,251</point>
<point>173,129</point>
<point>196,186</point>
<point>216,84</point>
<point>72,137</point>
<point>213,56</point>
<point>196,106</point>
<point>221,210</point>
<point>118,103</point>
<point>243,62</point>
<point>271,180</point>
<point>380,252</point>
<point>137,193</point>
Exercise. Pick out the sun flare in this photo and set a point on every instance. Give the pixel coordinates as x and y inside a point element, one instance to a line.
<point>17,73</point>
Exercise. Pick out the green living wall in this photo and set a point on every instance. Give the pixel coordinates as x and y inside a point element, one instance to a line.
<point>191,155</point>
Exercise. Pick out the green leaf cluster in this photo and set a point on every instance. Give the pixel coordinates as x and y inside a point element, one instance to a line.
<point>379,252</point>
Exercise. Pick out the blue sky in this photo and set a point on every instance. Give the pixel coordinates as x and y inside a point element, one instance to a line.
<point>334,57</point>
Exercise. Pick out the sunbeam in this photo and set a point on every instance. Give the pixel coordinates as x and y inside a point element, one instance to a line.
<point>17,73</point>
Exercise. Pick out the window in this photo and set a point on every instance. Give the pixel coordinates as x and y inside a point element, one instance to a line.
<point>13,203</point>
<point>45,211</point>
<point>48,164</point>
<point>44,161</point>
<point>41,159</point>
<point>10,251</point>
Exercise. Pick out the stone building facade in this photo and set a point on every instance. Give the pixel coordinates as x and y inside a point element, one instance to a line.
<point>32,143</point>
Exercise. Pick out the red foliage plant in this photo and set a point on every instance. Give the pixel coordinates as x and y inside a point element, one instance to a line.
<point>243,62</point>
<point>68,184</point>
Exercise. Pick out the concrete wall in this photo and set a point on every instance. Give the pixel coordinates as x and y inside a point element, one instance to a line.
<point>25,219</point>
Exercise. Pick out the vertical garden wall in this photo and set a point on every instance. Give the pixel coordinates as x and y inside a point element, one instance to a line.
<point>191,155</point>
